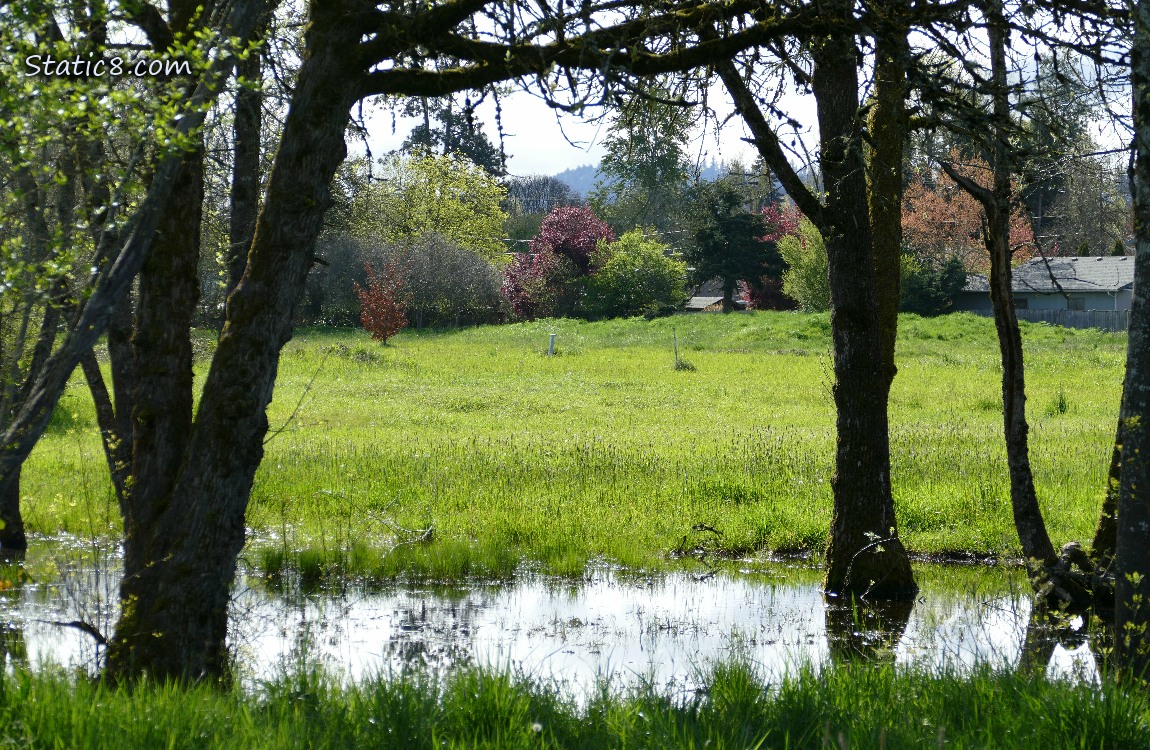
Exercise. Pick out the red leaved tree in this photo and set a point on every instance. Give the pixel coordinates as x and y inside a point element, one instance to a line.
<point>533,283</point>
<point>941,221</point>
<point>574,232</point>
<point>383,302</point>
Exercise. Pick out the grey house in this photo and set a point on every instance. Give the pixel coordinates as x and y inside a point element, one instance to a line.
<point>1061,283</point>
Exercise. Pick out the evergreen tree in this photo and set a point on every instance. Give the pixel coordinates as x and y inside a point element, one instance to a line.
<point>728,240</point>
<point>455,133</point>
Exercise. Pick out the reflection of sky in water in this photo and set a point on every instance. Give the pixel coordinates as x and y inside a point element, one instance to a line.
<point>664,630</point>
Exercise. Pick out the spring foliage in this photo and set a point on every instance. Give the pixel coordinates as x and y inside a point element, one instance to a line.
<point>550,280</point>
<point>423,193</point>
<point>635,276</point>
<point>764,293</point>
<point>805,280</point>
<point>940,221</point>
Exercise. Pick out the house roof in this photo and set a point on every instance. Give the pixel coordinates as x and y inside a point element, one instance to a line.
<point>710,288</point>
<point>702,303</point>
<point>1074,274</point>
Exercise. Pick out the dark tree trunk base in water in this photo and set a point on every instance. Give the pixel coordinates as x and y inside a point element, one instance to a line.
<point>12,538</point>
<point>862,630</point>
<point>879,570</point>
<point>1072,583</point>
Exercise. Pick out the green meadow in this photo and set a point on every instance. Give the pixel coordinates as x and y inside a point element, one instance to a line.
<point>507,457</point>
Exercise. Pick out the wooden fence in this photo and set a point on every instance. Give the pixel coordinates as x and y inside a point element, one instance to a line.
<point>1107,320</point>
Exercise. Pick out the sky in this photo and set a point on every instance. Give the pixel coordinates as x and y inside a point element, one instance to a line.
<point>541,140</point>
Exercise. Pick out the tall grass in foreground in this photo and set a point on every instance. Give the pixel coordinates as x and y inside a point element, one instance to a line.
<point>845,707</point>
<point>606,451</point>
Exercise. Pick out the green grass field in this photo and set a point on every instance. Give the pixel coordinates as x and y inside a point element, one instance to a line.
<point>845,707</point>
<point>606,451</point>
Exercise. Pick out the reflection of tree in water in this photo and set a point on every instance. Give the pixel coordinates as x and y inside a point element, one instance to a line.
<point>858,629</point>
<point>13,647</point>
<point>1046,630</point>
<point>435,634</point>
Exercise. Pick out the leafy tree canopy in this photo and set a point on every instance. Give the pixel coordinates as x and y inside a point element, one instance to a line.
<point>941,221</point>
<point>454,132</point>
<point>645,166</point>
<point>423,193</point>
<point>550,280</point>
<point>573,232</point>
<point>636,276</point>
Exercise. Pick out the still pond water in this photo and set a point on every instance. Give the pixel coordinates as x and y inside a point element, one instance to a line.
<point>661,629</point>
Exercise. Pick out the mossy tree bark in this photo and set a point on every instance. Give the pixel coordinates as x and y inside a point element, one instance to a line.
<point>887,123</point>
<point>865,556</point>
<point>1105,541</point>
<point>1132,558</point>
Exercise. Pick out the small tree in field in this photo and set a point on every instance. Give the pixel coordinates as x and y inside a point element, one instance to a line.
<point>384,306</point>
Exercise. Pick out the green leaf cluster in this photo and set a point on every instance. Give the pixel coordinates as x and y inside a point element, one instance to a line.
<point>805,280</point>
<point>424,193</point>
<point>636,276</point>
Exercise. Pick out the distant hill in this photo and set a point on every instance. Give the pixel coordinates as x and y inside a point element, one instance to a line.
<point>582,179</point>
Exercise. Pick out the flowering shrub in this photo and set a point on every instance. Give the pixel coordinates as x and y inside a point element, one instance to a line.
<point>574,232</point>
<point>533,283</point>
<point>549,281</point>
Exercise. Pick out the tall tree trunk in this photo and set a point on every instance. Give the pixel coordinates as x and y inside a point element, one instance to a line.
<point>1028,520</point>
<point>247,130</point>
<point>996,203</point>
<point>1132,558</point>
<point>162,348</point>
<point>865,555</point>
<point>173,621</point>
<point>169,290</point>
<point>888,131</point>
